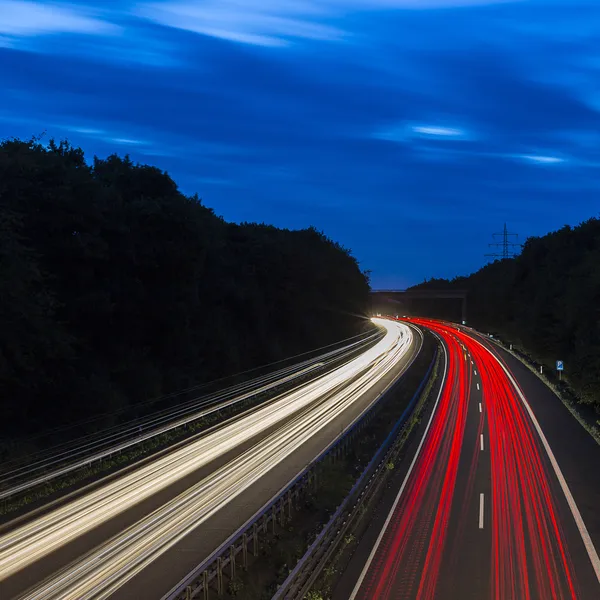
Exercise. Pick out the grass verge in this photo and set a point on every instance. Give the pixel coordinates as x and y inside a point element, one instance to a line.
<point>334,569</point>
<point>279,552</point>
<point>35,497</point>
<point>560,388</point>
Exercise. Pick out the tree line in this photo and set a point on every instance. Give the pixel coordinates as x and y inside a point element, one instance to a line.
<point>546,300</point>
<point>116,287</point>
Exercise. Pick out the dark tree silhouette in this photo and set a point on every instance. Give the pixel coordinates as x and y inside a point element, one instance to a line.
<point>547,300</point>
<point>116,287</point>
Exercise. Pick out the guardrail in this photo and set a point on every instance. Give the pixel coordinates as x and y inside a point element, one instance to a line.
<point>308,568</point>
<point>584,414</point>
<point>49,469</point>
<point>224,560</point>
<point>140,437</point>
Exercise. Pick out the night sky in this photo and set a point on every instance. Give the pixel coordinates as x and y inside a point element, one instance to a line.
<point>407,130</point>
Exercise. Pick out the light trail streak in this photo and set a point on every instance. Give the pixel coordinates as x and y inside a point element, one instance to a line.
<point>529,556</point>
<point>583,531</point>
<point>146,436</point>
<point>399,497</point>
<point>109,566</point>
<point>121,438</point>
<point>529,553</point>
<point>409,555</point>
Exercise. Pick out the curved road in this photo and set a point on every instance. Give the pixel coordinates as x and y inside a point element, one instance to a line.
<point>115,540</point>
<point>484,510</point>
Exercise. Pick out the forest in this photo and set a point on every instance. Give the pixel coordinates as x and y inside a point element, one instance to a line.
<point>115,287</point>
<point>546,300</point>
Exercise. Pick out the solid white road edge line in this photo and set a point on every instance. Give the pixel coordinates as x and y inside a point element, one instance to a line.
<point>397,500</point>
<point>585,536</point>
<point>245,525</point>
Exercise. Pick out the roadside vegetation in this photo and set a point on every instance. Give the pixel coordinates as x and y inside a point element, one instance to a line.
<point>279,553</point>
<point>334,570</point>
<point>91,472</point>
<point>115,287</point>
<point>546,302</point>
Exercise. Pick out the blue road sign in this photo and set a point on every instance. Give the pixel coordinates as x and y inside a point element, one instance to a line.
<point>560,366</point>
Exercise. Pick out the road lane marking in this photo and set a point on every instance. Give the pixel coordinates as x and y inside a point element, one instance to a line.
<point>480,407</point>
<point>480,511</point>
<point>397,501</point>
<point>477,386</point>
<point>481,439</point>
<point>475,370</point>
<point>56,528</point>
<point>583,531</point>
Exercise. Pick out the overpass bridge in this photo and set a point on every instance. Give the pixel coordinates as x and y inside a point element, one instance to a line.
<point>400,297</point>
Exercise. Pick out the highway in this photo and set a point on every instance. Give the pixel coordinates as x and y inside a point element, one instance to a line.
<point>483,509</point>
<point>61,460</point>
<point>107,543</point>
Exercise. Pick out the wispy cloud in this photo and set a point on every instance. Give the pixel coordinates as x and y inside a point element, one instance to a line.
<point>467,154</point>
<point>412,4</point>
<point>438,132</point>
<point>124,141</point>
<point>276,22</point>
<point>86,131</point>
<point>407,132</point>
<point>499,109</point>
<point>88,29</point>
<point>28,18</point>
<point>106,136</point>
<point>541,160</point>
<point>265,24</point>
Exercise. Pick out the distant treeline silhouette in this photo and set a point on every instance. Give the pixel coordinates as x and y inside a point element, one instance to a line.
<point>116,287</point>
<point>546,300</point>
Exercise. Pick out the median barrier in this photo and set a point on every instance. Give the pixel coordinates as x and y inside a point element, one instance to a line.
<point>46,487</point>
<point>233,553</point>
<point>309,567</point>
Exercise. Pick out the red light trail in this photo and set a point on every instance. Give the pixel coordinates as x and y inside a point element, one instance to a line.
<point>519,539</point>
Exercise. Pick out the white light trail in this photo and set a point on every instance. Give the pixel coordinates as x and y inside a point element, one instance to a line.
<point>109,566</point>
<point>85,451</point>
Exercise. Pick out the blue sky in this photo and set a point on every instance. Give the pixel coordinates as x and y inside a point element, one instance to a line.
<point>407,130</point>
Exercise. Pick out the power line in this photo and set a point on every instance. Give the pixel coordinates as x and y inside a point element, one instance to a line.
<point>506,245</point>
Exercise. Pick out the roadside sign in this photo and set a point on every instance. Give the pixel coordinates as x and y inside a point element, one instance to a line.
<point>560,366</point>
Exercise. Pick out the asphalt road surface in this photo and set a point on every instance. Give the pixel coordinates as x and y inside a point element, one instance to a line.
<point>138,535</point>
<point>484,509</point>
